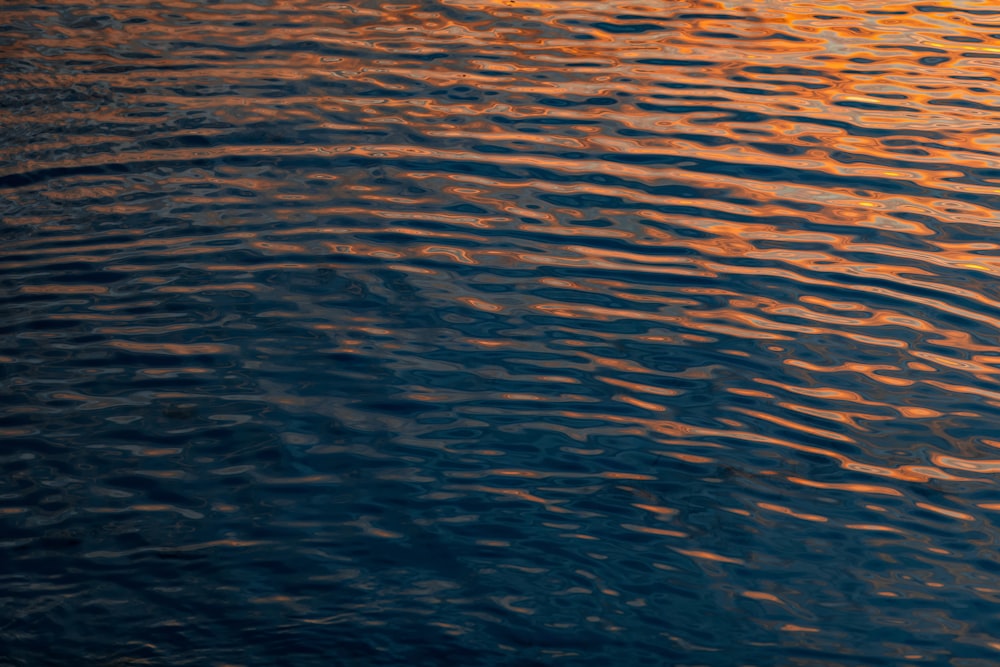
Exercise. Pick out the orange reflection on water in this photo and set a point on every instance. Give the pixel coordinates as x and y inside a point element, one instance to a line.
<point>709,556</point>
<point>781,509</point>
<point>866,489</point>
<point>180,349</point>
<point>759,231</point>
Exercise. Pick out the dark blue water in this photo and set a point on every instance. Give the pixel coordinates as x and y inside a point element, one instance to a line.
<point>474,332</point>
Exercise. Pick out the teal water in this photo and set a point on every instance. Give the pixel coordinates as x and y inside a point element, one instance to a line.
<point>499,333</point>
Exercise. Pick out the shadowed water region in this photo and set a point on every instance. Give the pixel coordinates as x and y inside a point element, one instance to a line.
<point>475,332</point>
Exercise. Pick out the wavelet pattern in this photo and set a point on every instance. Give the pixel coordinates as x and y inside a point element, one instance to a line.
<point>499,333</point>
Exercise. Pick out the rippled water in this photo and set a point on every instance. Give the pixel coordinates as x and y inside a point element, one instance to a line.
<point>482,332</point>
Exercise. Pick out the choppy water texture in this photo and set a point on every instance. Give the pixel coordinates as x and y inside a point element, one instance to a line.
<point>499,333</point>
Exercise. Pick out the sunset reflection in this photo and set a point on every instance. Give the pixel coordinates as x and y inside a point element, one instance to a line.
<point>499,332</point>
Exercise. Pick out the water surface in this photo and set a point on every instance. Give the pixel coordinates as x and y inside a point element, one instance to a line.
<point>499,333</point>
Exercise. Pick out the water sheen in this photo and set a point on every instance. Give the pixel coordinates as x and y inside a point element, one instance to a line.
<point>475,332</point>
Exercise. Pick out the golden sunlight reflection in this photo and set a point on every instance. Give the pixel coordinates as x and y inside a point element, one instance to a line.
<point>551,329</point>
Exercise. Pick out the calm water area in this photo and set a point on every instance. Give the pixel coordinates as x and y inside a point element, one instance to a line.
<point>499,333</point>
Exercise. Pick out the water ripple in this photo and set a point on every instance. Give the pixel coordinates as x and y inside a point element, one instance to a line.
<point>495,332</point>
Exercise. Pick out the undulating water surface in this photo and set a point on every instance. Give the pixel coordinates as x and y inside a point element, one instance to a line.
<point>474,332</point>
